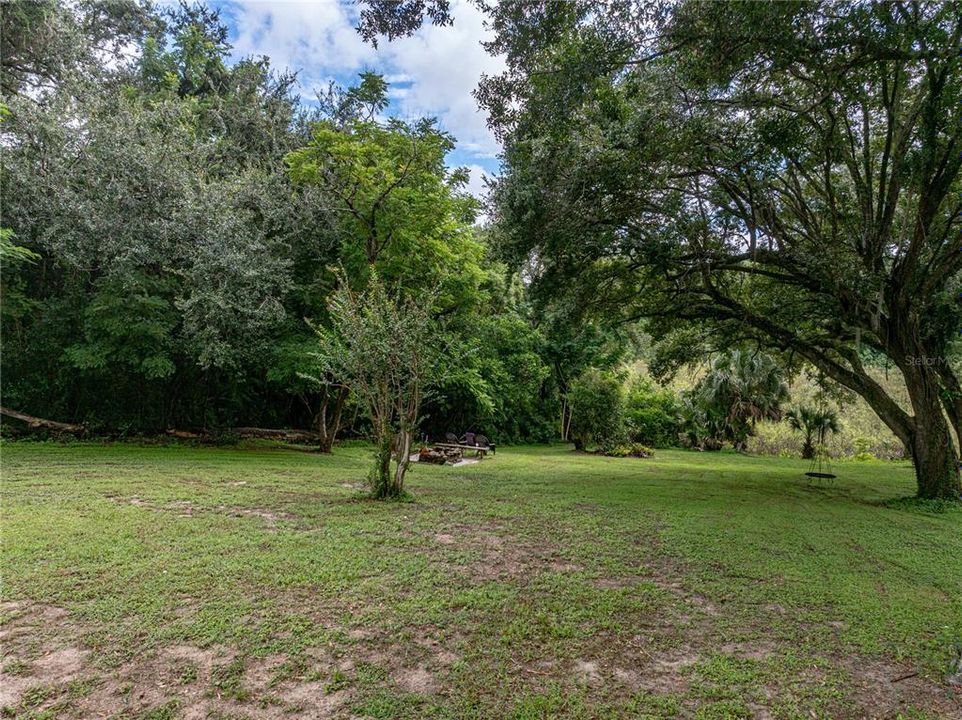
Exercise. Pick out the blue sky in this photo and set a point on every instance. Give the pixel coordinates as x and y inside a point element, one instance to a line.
<point>431,73</point>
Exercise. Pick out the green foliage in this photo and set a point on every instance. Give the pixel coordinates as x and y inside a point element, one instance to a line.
<point>632,449</point>
<point>651,414</point>
<point>741,389</point>
<point>400,210</point>
<point>597,409</point>
<point>16,302</point>
<point>11,254</point>
<point>127,325</point>
<point>501,385</point>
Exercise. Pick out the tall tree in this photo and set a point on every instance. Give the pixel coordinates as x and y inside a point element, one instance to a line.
<point>399,212</point>
<point>781,174</point>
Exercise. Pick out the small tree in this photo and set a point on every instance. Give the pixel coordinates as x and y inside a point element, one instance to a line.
<point>597,409</point>
<point>385,349</point>
<point>815,423</point>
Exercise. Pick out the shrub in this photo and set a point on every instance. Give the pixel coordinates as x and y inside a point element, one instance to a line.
<point>631,449</point>
<point>597,409</point>
<point>651,414</point>
<point>775,438</point>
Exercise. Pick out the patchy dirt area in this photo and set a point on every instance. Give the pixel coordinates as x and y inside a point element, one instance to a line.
<point>197,683</point>
<point>46,668</point>
<point>491,553</point>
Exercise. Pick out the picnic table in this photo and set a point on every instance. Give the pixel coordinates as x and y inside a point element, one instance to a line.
<point>470,441</point>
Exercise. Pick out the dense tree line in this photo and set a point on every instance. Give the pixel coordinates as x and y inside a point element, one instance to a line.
<point>777,177</point>
<point>173,222</point>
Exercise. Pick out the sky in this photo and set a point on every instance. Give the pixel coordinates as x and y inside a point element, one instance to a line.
<point>431,73</point>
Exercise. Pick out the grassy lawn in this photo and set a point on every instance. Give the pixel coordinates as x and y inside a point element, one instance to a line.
<point>255,582</point>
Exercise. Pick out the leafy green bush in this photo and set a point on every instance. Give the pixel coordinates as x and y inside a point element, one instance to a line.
<point>597,409</point>
<point>631,449</point>
<point>651,414</point>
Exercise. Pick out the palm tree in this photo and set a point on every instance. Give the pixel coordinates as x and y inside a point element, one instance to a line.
<point>815,423</point>
<point>741,389</point>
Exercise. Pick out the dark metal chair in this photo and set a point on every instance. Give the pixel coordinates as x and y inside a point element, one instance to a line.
<point>482,441</point>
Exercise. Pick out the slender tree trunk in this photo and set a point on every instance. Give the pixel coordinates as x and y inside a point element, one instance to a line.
<point>565,408</point>
<point>327,430</point>
<point>565,419</point>
<point>322,421</point>
<point>382,469</point>
<point>808,449</point>
<point>403,449</point>
<point>933,452</point>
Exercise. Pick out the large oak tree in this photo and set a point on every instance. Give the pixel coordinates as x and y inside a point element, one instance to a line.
<point>783,174</point>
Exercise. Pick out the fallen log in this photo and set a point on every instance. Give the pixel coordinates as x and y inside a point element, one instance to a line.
<point>186,434</point>
<point>37,423</point>
<point>301,436</point>
<point>272,434</point>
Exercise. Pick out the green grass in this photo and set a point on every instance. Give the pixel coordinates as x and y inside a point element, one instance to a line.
<point>540,583</point>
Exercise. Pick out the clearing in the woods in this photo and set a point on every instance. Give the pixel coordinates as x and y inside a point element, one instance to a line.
<point>165,582</point>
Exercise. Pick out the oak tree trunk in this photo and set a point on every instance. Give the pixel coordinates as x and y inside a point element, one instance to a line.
<point>933,452</point>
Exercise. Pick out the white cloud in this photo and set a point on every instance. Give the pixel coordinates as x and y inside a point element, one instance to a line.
<point>437,68</point>
<point>476,186</point>
<point>444,65</point>
<point>316,39</point>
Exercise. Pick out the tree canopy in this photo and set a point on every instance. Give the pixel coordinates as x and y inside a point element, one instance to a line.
<point>784,175</point>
